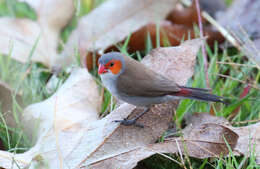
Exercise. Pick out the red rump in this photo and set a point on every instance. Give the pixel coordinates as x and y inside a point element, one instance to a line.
<point>184,92</point>
<point>199,94</point>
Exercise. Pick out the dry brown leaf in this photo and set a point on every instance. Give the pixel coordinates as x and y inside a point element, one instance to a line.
<point>188,16</point>
<point>206,136</point>
<point>185,16</point>
<point>202,138</point>
<point>173,33</point>
<point>112,22</point>
<point>90,60</point>
<point>20,35</point>
<point>242,140</point>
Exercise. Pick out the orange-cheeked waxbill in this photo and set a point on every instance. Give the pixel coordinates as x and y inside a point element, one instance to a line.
<point>134,83</point>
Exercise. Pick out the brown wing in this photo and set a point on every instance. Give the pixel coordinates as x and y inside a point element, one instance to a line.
<point>142,81</point>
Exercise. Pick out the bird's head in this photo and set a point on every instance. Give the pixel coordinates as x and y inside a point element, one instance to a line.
<point>112,63</point>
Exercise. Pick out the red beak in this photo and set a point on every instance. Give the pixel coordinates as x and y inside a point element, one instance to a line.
<point>101,69</point>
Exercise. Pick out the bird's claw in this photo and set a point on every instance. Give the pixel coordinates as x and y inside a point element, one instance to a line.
<point>127,122</point>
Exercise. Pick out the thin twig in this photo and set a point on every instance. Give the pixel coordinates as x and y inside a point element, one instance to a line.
<point>243,162</point>
<point>245,122</point>
<point>179,126</point>
<point>166,156</point>
<point>203,45</point>
<point>236,64</point>
<point>222,30</point>
<point>179,150</point>
<point>57,134</point>
<point>235,79</point>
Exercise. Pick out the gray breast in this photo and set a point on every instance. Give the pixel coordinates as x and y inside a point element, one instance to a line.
<point>109,82</point>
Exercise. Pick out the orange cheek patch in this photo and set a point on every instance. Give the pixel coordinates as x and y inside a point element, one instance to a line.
<point>115,69</point>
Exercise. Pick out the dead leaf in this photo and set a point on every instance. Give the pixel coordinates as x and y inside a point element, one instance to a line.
<point>21,35</point>
<point>112,22</point>
<point>202,138</point>
<point>185,16</point>
<point>174,59</point>
<point>170,34</point>
<point>248,136</point>
<point>90,60</point>
<point>188,16</point>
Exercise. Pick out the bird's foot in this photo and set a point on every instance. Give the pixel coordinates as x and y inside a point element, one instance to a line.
<point>129,122</point>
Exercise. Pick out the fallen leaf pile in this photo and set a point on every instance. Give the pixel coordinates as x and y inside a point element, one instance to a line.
<point>68,130</point>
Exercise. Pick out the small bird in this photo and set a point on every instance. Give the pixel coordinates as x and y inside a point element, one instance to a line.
<point>136,84</point>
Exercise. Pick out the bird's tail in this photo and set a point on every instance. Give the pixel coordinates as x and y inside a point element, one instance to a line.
<point>199,94</point>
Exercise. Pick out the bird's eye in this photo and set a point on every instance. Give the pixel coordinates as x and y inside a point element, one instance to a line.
<point>111,64</point>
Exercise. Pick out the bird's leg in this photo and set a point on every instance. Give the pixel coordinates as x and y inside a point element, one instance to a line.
<point>129,122</point>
